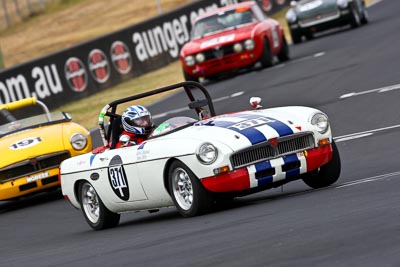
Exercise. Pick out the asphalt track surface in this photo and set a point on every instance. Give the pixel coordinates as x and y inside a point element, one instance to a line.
<point>352,75</point>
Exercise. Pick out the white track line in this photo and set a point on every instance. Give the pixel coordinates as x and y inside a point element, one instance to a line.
<point>377,90</point>
<point>363,134</point>
<point>370,179</point>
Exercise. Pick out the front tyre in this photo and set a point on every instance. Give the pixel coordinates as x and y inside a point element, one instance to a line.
<point>309,35</point>
<point>365,16</point>
<point>296,36</point>
<point>327,174</point>
<point>189,78</point>
<point>266,59</point>
<point>96,214</point>
<point>284,53</point>
<point>187,192</point>
<point>355,20</point>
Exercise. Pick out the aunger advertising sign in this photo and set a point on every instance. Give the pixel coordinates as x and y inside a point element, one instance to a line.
<point>82,70</point>
<point>272,5</point>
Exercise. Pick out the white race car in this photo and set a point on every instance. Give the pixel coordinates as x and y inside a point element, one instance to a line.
<point>192,163</point>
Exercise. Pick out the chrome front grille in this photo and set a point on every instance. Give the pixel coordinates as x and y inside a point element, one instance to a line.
<point>218,53</point>
<point>310,21</point>
<point>265,151</point>
<point>31,166</point>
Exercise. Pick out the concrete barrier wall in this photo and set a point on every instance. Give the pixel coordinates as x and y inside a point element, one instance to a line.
<point>87,68</point>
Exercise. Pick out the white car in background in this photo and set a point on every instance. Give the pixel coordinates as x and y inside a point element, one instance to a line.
<point>307,17</point>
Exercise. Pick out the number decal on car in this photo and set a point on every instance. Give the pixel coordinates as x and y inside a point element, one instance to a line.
<point>251,123</point>
<point>118,179</point>
<point>25,143</point>
<point>218,40</point>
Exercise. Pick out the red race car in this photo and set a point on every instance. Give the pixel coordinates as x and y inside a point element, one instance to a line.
<point>230,38</point>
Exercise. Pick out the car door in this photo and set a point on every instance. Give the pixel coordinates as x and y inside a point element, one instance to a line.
<point>119,174</point>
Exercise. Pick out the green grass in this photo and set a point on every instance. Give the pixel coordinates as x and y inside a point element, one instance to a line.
<point>1,60</point>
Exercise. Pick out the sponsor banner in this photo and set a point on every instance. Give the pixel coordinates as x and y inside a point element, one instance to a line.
<point>273,6</point>
<point>87,68</point>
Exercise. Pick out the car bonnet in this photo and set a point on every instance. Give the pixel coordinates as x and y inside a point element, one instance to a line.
<point>307,8</point>
<point>239,130</point>
<point>31,143</point>
<point>219,38</point>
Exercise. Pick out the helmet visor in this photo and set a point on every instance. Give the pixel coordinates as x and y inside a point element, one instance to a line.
<point>139,122</point>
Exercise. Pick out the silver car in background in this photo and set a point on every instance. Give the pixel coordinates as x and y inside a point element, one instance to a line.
<point>306,17</point>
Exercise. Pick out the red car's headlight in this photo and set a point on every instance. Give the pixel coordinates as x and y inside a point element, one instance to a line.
<point>249,44</point>
<point>200,57</point>
<point>238,47</point>
<point>189,61</point>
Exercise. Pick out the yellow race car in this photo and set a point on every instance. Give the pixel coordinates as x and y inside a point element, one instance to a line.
<point>32,147</point>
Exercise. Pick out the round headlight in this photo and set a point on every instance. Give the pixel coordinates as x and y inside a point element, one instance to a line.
<point>78,141</point>
<point>249,44</point>
<point>207,153</point>
<point>189,60</point>
<point>291,16</point>
<point>238,47</point>
<point>200,57</point>
<point>342,3</point>
<point>320,121</point>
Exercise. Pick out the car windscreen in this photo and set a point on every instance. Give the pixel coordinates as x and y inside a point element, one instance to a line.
<point>32,122</point>
<point>223,20</point>
<point>172,125</point>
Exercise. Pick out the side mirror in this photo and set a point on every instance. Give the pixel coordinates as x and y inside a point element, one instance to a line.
<point>124,140</point>
<point>255,102</point>
<point>68,115</point>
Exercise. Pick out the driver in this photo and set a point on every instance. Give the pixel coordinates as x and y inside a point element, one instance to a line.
<point>137,124</point>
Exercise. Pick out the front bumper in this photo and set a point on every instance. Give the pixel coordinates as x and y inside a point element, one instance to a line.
<point>228,63</point>
<point>267,173</point>
<point>36,182</point>
<point>322,22</point>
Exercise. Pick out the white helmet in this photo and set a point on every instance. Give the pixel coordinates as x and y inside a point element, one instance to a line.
<point>137,120</point>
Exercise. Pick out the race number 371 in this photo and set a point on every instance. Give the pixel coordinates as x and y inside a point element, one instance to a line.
<point>118,181</point>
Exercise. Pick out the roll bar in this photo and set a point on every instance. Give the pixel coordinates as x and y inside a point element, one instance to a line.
<point>31,101</point>
<point>196,104</point>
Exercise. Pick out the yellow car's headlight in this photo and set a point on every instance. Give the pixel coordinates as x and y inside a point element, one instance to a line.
<point>78,141</point>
